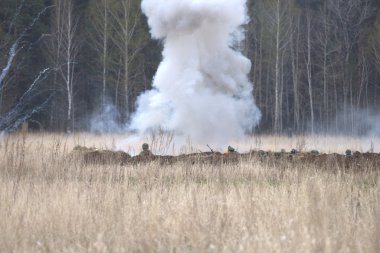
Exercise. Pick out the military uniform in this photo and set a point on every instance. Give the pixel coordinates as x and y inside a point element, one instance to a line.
<point>146,151</point>
<point>230,150</point>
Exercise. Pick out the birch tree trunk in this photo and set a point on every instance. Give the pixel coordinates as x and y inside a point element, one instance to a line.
<point>105,51</point>
<point>125,19</point>
<point>294,47</point>
<point>309,70</point>
<point>277,72</point>
<point>127,38</point>
<point>67,53</point>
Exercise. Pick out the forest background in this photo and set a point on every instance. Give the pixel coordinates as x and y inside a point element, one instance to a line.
<point>79,65</point>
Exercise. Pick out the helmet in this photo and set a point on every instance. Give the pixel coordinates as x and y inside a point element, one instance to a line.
<point>314,152</point>
<point>145,146</point>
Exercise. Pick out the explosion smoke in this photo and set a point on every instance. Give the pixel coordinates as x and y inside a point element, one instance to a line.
<point>201,89</point>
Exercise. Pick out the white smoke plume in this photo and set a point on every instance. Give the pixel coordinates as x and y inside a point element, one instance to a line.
<point>201,90</point>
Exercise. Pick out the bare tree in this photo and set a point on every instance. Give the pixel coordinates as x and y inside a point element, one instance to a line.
<point>23,108</point>
<point>125,18</point>
<point>277,18</point>
<point>309,67</point>
<point>64,49</point>
<point>327,48</point>
<point>70,48</point>
<point>294,49</point>
<point>349,18</point>
<point>100,17</point>
<point>22,111</point>
<point>277,68</point>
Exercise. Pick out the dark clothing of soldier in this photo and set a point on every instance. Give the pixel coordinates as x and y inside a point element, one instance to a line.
<point>145,151</point>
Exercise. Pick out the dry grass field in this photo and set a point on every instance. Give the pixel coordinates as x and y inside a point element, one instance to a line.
<point>50,202</point>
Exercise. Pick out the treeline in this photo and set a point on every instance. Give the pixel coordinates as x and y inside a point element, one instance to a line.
<point>85,60</point>
<point>70,65</point>
<point>316,64</point>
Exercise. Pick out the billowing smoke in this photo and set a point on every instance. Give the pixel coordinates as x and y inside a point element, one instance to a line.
<point>105,120</point>
<point>201,89</point>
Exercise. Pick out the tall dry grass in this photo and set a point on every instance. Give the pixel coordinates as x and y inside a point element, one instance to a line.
<point>49,203</point>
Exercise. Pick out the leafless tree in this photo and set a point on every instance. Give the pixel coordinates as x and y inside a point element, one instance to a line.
<point>348,18</point>
<point>124,24</point>
<point>22,110</point>
<point>309,66</point>
<point>100,40</point>
<point>295,50</point>
<point>64,49</point>
<point>277,19</point>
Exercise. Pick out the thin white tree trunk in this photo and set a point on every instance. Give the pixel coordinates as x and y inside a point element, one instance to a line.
<point>105,52</point>
<point>325,88</point>
<point>126,57</point>
<point>295,70</point>
<point>309,72</point>
<point>277,73</point>
<point>68,64</point>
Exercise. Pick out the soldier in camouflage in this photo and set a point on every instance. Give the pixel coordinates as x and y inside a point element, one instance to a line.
<point>146,151</point>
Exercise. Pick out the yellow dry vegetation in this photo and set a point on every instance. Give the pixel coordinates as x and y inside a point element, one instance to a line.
<point>50,202</point>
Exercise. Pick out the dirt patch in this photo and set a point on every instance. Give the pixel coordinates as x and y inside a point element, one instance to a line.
<point>356,161</point>
<point>96,156</point>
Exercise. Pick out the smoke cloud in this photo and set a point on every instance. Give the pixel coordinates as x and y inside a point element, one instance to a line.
<point>201,89</point>
<point>105,120</point>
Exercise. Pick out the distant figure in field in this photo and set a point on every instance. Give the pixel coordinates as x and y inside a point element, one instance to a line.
<point>146,151</point>
<point>230,150</point>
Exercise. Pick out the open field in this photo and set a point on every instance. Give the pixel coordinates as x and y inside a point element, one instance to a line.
<point>50,202</point>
